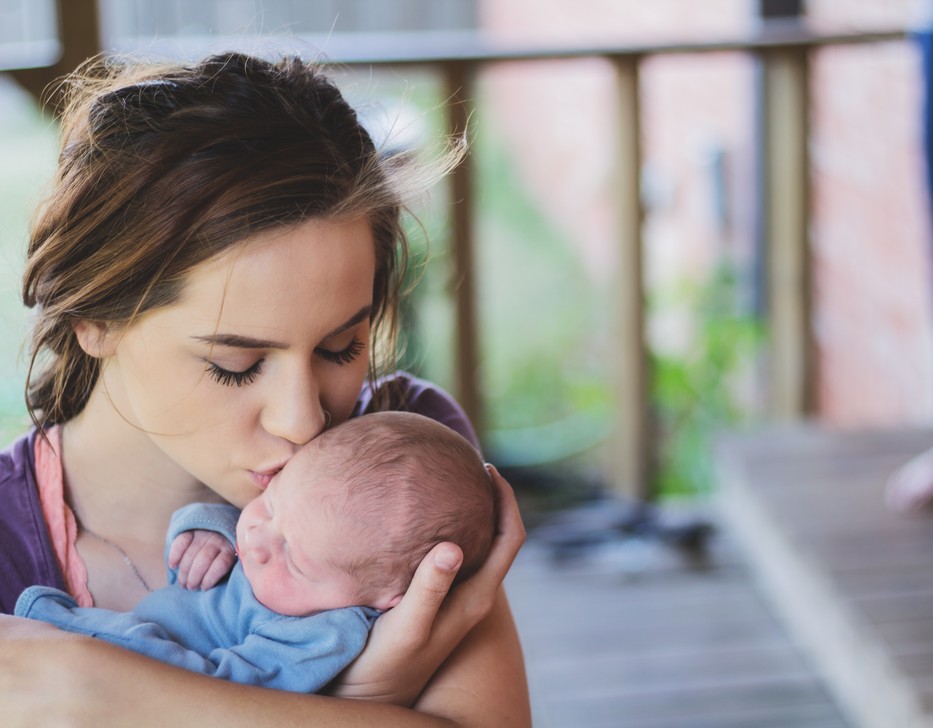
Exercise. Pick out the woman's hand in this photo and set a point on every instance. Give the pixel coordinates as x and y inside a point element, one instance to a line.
<point>411,641</point>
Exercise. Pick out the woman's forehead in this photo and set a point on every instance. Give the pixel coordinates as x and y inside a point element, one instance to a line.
<point>319,266</point>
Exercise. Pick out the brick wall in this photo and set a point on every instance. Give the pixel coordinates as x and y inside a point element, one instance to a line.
<point>870,235</point>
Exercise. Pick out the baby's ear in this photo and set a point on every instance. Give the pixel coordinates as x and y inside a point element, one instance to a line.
<point>98,340</point>
<point>387,601</point>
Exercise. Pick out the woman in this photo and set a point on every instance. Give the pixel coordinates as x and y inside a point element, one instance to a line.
<point>221,247</point>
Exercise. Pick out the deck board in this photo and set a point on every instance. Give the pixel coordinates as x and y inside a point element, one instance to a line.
<point>665,645</point>
<point>851,581</point>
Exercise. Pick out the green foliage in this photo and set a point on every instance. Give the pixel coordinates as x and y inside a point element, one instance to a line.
<point>693,393</point>
<point>540,313</point>
<point>543,341</point>
<point>28,148</point>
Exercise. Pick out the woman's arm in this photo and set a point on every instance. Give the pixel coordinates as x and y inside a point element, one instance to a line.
<point>47,675</point>
<point>57,678</point>
<point>52,678</point>
<point>483,682</point>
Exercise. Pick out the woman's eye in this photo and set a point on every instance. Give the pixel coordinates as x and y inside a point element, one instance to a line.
<point>344,356</point>
<point>234,379</point>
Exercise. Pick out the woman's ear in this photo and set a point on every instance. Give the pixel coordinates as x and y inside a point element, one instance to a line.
<point>96,339</point>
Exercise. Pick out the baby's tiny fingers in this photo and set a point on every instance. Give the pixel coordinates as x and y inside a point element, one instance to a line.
<point>218,569</point>
<point>179,545</point>
<point>201,565</point>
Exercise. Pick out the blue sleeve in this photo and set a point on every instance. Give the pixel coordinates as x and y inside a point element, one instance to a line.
<point>402,391</point>
<point>298,654</point>
<point>301,654</point>
<point>217,517</point>
<point>124,629</point>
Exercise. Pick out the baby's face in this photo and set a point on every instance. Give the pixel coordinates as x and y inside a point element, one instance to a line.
<point>288,540</point>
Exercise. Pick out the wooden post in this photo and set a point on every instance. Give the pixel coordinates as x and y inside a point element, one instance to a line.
<point>630,449</point>
<point>780,8</point>
<point>785,176</point>
<point>457,80</point>
<point>79,34</point>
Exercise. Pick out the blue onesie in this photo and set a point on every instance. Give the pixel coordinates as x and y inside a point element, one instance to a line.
<point>224,631</point>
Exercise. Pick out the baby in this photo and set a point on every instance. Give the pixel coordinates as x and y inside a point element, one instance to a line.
<point>333,542</point>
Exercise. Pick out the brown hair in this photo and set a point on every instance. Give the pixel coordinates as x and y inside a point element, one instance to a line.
<point>411,483</point>
<point>163,167</point>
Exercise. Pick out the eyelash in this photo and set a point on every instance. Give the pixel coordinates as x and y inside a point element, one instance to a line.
<point>345,356</point>
<point>234,379</point>
<point>247,376</point>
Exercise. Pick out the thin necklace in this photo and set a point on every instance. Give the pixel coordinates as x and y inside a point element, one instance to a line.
<point>126,557</point>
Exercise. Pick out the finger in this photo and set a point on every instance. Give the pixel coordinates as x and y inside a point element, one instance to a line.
<point>182,570</point>
<point>201,564</point>
<point>510,532</point>
<point>415,614</point>
<point>178,547</point>
<point>218,569</point>
<point>184,565</point>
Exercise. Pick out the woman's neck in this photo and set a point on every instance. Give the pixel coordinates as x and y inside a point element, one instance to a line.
<point>117,480</point>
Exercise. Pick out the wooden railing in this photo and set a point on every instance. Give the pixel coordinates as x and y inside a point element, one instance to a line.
<point>781,48</point>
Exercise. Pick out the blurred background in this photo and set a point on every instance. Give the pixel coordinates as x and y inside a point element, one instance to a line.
<point>690,247</point>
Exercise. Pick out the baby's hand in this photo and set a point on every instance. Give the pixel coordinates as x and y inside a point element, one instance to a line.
<point>202,558</point>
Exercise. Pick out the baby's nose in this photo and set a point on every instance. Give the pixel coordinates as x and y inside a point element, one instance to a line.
<point>259,550</point>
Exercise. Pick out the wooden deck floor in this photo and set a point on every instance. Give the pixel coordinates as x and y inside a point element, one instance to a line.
<point>633,636</point>
<point>851,581</point>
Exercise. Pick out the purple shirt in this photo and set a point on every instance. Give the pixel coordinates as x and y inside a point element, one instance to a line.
<point>26,554</point>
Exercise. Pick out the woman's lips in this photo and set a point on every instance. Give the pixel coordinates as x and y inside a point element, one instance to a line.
<point>264,478</point>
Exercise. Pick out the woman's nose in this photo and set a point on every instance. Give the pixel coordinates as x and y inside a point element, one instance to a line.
<point>294,412</point>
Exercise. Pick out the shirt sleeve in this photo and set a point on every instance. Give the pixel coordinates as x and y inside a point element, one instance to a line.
<point>218,517</point>
<point>301,654</point>
<point>404,392</point>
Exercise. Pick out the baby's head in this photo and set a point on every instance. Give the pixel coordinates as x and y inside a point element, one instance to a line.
<point>354,512</point>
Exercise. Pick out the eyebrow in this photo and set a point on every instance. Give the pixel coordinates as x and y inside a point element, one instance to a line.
<point>248,342</point>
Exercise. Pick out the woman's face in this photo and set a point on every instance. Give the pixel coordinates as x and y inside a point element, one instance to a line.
<point>230,381</point>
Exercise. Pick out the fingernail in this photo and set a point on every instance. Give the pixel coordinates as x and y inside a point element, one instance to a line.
<point>446,559</point>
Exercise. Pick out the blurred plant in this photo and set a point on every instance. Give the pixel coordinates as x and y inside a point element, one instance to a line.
<point>544,348</point>
<point>695,393</point>
<point>411,347</point>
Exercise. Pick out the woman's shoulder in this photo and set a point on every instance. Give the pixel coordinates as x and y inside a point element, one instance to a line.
<point>17,453</point>
<point>408,393</point>
<point>17,468</point>
<point>25,555</point>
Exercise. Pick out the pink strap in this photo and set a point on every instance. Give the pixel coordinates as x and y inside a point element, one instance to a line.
<point>63,529</point>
